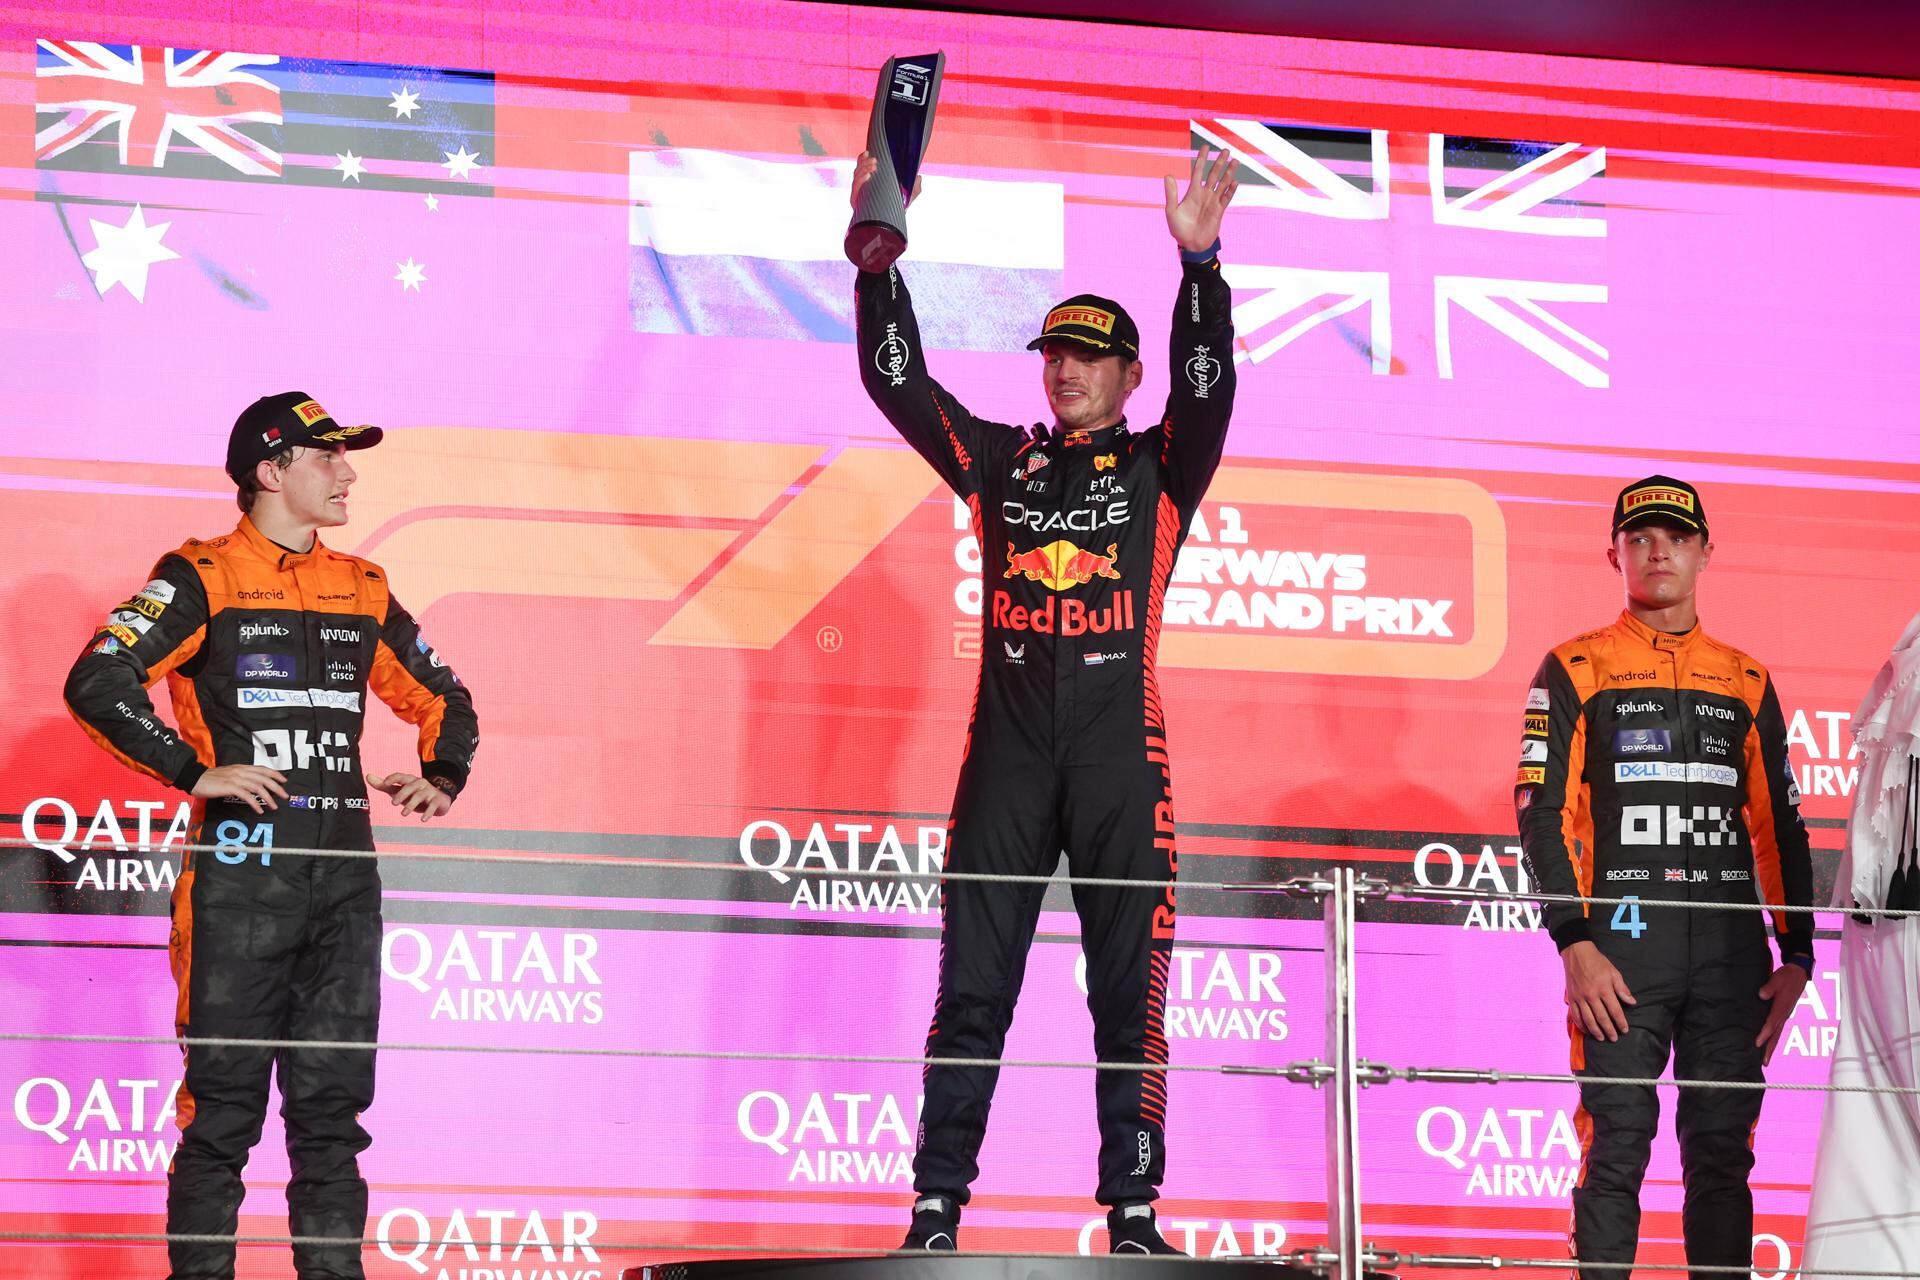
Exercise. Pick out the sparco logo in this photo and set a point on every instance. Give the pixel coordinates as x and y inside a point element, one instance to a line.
<point>891,356</point>
<point>498,1236</point>
<point>251,631</point>
<point>859,1138</point>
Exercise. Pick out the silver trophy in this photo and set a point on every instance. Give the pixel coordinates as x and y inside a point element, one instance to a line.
<point>897,136</point>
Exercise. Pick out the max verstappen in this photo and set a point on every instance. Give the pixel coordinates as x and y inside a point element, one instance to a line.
<point>1654,766</point>
<point>270,642</point>
<point>1078,525</point>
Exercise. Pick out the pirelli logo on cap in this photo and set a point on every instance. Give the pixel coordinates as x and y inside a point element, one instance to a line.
<point>310,412</point>
<point>341,433</point>
<point>1092,317</point>
<point>1656,495</point>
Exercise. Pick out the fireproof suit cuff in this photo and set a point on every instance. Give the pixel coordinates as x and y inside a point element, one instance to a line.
<point>189,776</point>
<point>445,774</point>
<point>1572,931</point>
<point>1207,254</point>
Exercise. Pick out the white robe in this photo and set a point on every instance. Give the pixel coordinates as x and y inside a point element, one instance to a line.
<point>1865,1211</point>
<point>1864,1214</point>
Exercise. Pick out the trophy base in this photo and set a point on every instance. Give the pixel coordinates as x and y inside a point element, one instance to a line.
<point>874,246</point>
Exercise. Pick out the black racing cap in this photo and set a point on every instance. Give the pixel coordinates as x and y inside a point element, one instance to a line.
<point>273,424</point>
<point>1093,321</point>
<point>1659,498</point>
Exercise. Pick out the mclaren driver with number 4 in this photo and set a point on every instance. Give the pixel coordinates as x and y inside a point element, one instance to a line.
<point>1654,766</point>
<point>1078,525</point>
<point>270,642</point>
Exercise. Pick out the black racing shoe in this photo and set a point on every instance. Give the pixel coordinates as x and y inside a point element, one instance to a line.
<point>1131,1229</point>
<point>936,1225</point>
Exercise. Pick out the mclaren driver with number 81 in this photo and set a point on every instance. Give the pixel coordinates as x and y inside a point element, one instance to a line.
<point>1078,525</point>
<point>270,643</point>
<point>1654,766</point>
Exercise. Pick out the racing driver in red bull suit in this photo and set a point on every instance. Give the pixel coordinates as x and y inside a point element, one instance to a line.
<point>1654,766</point>
<point>271,644</point>
<point>1078,526</point>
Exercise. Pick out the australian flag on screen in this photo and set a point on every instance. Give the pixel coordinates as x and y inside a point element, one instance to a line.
<point>207,113</point>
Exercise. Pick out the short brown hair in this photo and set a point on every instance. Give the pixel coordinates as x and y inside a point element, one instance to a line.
<point>249,491</point>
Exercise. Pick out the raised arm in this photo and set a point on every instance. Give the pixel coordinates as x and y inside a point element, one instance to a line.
<point>1200,352</point>
<point>893,368</point>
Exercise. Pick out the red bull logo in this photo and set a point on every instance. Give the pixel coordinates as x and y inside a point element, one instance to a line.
<point>1071,618</point>
<point>1061,564</point>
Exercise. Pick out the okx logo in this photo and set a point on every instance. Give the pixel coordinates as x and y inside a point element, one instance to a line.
<point>303,749</point>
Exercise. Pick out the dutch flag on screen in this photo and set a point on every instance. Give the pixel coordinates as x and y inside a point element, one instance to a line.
<point>728,246</point>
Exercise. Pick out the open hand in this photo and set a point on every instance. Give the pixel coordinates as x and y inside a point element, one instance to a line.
<point>1596,993</point>
<point>1195,217</point>
<point>412,794</point>
<point>250,784</point>
<point>1783,989</point>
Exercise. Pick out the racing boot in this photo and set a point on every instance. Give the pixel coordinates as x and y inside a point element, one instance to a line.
<point>936,1225</point>
<point>1131,1229</point>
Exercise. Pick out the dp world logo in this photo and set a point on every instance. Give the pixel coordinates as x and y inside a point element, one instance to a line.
<point>891,356</point>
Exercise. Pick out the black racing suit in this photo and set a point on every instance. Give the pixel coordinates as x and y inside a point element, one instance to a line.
<point>269,656</point>
<point>1067,747</point>
<point>1654,766</point>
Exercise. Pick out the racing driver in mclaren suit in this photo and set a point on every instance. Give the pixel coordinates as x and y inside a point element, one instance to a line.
<point>1078,525</point>
<point>270,643</point>
<point>1654,766</point>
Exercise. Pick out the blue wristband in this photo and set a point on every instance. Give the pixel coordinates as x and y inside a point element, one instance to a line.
<point>1805,962</point>
<point>1205,255</point>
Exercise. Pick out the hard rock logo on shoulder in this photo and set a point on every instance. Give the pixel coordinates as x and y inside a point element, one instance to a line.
<point>1202,372</point>
<point>891,356</point>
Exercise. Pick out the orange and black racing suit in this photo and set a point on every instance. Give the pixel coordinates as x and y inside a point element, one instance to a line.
<point>269,657</point>
<point>1067,747</point>
<point>1653,767</point>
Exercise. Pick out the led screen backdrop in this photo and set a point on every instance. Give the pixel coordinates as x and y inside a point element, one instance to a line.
<point>722,627</point>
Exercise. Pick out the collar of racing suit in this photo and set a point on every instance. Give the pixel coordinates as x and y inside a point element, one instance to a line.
<point>271,551</point>
<point>1657,639</point>
<point>1077,436</point>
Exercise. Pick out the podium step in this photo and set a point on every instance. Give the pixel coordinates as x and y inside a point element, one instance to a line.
<point>968,1266</point>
